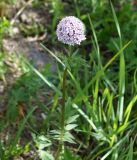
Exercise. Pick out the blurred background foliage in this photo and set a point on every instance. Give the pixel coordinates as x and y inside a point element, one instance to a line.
<point>32,110</point>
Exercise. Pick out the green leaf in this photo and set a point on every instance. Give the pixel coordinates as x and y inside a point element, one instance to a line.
<point>68,137</point>
<point>129,108</point>
<point>85,116</point>
<point>68,155</point>
<point>72,119</point>
<point>70,127</point>
<point>44,155</point>
<point>130,152</point>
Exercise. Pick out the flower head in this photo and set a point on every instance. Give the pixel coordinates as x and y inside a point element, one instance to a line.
<point>70,30</point>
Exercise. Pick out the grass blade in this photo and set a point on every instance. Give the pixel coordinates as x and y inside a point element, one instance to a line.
<point>43,78</point>
<point>85,116</point>
<point>100,72</point>
<point>129,108</point>
<point>121,71</point>
<point>21,127</point>
<point>130,153</point>
<point>96,43</point>
<point>114,147</point>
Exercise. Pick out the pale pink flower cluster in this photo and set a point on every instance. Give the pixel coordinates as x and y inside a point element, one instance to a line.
<point>71,31</point>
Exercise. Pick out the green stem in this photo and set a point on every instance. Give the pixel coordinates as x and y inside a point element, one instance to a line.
<point>62,121</point>
<point>63,102</point>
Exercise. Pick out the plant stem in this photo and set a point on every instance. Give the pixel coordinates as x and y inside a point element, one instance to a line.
<point>63,102</point>
<point>62,121</point>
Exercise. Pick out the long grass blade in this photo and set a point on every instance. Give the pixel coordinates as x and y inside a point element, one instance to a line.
<point>100,72</point>
<point>129,108</point>
<point>130,153</point>
<point>96,43</point>
<point>43,78</point>
<point>98,54</point>
<point>85,116</point>
<point>121,71</point>
<point>115,146</point>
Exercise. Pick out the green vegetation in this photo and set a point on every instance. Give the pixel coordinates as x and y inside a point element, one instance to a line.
<point>86,108</point>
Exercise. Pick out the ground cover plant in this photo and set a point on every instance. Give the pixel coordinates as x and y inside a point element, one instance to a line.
<point>83,108</point>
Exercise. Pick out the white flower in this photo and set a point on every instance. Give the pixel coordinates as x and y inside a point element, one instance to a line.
<point>70,30</point>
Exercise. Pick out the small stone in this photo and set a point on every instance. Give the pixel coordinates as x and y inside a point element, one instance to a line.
<point>15,30</point>
<point>1,88</point>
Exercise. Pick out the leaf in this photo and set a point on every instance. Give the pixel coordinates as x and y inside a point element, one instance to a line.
<point>68,137</point>
<point>85,116</point>
<point>41,141</point>
<point>68,155</point>
<point>129,108</point>
<point>72,119</point>
<point>70,127</point>
<point>44,155</point>
<point>130,153</point>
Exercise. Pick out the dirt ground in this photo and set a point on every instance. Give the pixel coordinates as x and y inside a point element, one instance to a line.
<point>21,15</point>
